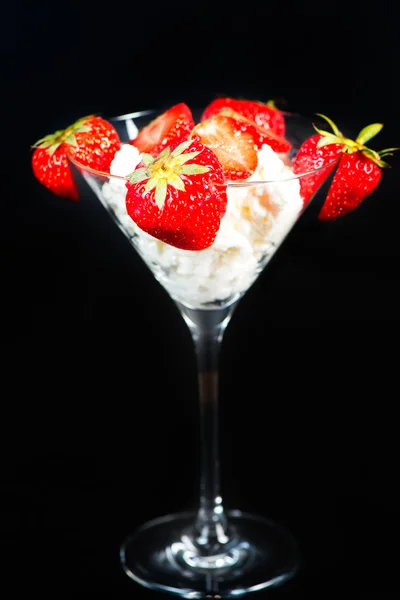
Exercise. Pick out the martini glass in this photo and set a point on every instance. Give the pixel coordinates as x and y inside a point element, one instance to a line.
<point>211,551</point>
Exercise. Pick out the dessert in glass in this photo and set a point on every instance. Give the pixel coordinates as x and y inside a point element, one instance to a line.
<point>206,198</point>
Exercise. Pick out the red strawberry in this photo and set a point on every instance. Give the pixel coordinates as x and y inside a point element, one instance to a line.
<point>264,115</point>
<point>357,176</point>
<point>235,148</point>
<point>92,141</point>
<point>310,157</point>
<point>54,172</point>
<point>260,135</point>
<point>171,127</point>
<point>358,173</point>
<point>179,197</point>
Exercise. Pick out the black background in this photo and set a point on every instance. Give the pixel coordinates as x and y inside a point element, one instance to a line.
<point>99,418</point>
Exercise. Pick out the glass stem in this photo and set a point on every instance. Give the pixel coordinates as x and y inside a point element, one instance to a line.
<point>207,329</point>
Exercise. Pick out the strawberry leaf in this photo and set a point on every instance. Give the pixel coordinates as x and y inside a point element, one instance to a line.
<point>71,139</point>
<point>368,132</point>
<point>333,125</point>
<point>327,138</point>
<point>151,184</point>
<point>51,149</point>
<point>179,149</point>
<point>375,157</point>
<point>147,159</point>
<point>82,129</point>
<point>176,182</point>
<point>161,192</point>
<point>164,154</point>
<point>47,140</point>
<point>273,103</point>
<point>138,175</point>
<point>183,158</point>
<point>193,169</point>
<point>387,151</point>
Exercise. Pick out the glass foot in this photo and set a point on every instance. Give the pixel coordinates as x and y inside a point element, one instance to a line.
<point>161,555</point>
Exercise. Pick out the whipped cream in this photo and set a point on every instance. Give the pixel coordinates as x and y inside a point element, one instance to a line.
<point>257,219</point>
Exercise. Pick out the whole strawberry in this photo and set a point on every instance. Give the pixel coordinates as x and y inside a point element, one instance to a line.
<point>92,141</point>
<point>179,197</point>
<point>358,168</point>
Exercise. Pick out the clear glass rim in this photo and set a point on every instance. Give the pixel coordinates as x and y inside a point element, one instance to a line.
<point>246,183</point>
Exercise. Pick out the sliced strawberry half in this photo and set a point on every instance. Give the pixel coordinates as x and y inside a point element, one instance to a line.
<point>234,147</point>
<point>171,127</point>
<point>260,135</point>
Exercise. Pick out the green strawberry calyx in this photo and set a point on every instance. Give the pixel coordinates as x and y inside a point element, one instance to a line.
<point>166,169</point>
<point>274,102</point>
<point>54,140</point>
<point>358,145</point>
